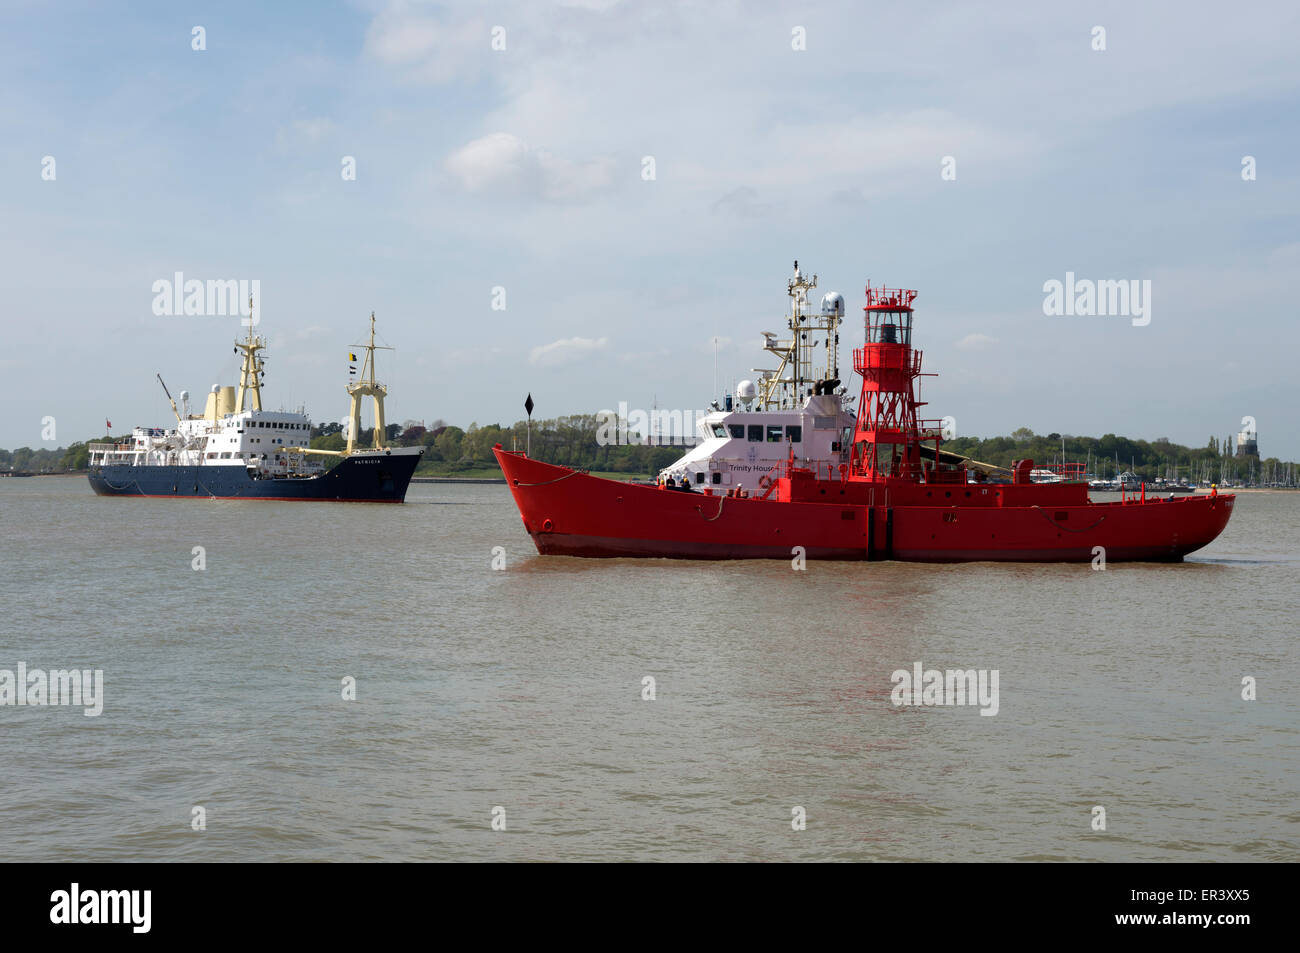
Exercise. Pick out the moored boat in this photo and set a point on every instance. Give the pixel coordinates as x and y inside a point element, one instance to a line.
<point>898,495</point>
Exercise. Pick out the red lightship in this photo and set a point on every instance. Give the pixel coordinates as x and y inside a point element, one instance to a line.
<point>892,494</point>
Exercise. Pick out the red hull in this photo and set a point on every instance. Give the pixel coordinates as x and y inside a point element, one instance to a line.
<point>573,514</point>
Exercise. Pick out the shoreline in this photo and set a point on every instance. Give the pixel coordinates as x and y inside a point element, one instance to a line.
<point>1200,491</point>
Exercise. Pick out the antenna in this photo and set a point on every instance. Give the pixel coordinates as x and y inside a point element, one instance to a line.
<point>715,364</point>
<point>169,398</point>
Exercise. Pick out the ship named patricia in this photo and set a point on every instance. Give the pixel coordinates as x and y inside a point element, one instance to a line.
<point>235,449</point>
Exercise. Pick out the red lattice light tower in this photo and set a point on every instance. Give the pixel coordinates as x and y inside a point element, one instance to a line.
<point>887,441</point>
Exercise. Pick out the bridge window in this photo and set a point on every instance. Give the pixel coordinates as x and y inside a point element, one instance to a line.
<point>775,434</point>
<point>755,433</point>
<point>795,434</point>
<point>737,431</point>
<point>719,430</point>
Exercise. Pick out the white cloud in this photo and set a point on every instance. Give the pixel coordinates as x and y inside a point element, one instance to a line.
<point>397,37</point>
<point>500,162</point>
<point>566,351</point>
<point>976,342</point>
<point>424,48</point>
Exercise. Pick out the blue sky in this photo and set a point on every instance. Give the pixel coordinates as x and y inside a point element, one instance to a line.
<point>522,169</point>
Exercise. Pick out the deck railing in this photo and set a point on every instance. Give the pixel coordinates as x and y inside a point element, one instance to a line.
<point>875,358</point>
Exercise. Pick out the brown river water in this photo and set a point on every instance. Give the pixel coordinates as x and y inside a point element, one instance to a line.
<point>521,689</point>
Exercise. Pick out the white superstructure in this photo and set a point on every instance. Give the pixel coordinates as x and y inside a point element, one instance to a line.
<point>798,409</point>
<point>741,447</point>
<point>257,439</point>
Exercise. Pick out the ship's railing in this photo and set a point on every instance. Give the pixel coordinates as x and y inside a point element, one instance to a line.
<point>889,297</point>
<point>878,358</point>
<point>930,427</point>
<point>110,448</point>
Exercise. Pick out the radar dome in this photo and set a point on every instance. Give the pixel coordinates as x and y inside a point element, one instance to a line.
<point>833,303</point>
<point>746,390</point>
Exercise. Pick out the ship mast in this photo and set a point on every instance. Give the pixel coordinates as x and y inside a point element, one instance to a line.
<point>250,372</point>
<point>367,386</point>
<point>786,386</point>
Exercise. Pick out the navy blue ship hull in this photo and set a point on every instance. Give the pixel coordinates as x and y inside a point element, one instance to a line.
<point>377,478</point>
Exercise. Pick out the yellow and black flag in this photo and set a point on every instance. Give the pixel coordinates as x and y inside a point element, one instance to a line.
<point>352,367</point>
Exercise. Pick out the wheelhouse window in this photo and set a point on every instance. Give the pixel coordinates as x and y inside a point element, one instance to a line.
<point>737,431</point>
<point>719,430</point>
<point>775,434</point>
<point>755,433</point>
<point>795,433</point>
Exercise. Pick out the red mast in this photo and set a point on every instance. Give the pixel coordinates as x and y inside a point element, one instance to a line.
<point>887,441</point>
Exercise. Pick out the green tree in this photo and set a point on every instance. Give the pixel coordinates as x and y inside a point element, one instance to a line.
<point>448,444</point>
<point>76,457</point>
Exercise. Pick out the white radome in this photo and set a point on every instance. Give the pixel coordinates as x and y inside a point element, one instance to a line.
<point>746,390</point>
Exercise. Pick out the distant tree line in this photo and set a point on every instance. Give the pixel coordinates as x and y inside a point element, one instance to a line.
<point>76,456</point>
<point>1150,460</point>
<point>571,441</point>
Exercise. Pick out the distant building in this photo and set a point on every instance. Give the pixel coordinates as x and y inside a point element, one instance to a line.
<point>1247,445</point>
